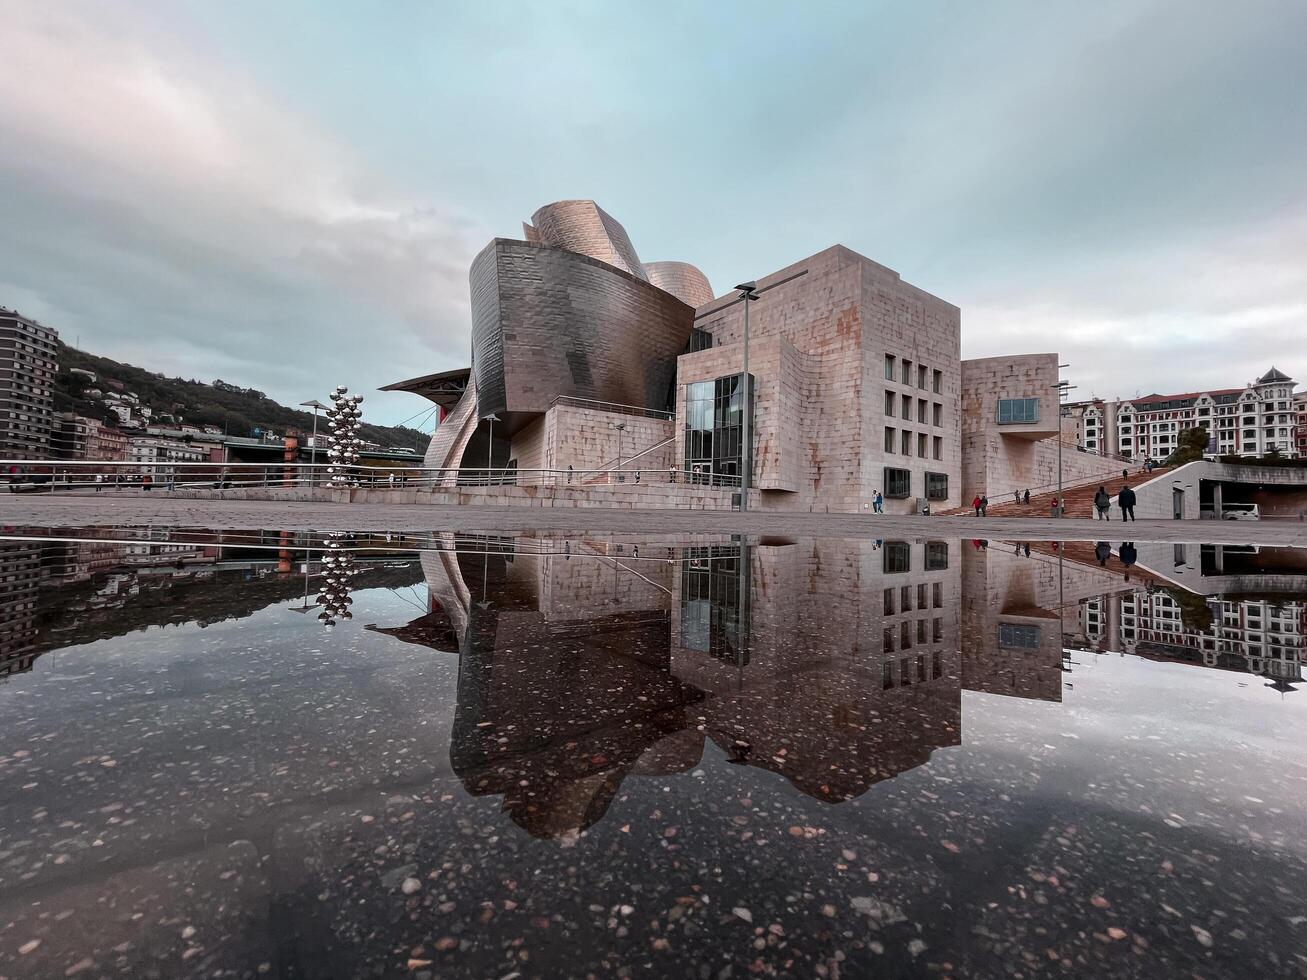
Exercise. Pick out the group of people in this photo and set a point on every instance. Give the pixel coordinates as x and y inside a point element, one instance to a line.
<point>1125,499</point>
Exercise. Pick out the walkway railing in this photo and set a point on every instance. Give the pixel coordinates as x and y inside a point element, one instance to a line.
<point>613,408</point>
<point>108,476</point>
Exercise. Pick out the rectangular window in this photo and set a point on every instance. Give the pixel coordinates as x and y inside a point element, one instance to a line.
<point>936,485</point>
<point>921,410</point>
<point>889,367</point>
<point>937,627</point>
<point>887,673</point>
<point>921,376</point>
<point>907,371</point>
<point>889,602</point>
<point>921,663</point>
<point>936,557</point>
<point>1017,411</point>
<point>907,408</point>
<point>935,658</point>
<point>905,598</point>
<point>937,590</point>
<point>905,639</point>
<point>889,404</point>
<point>938,452</point>
<point>897,557</point>
<point>938,417</point>
<point>1014,636</point>
<point>938,385</point>
<point>905,670</point>
<point>921,596</point>
<point>889,439</point>
<point>888,642</point>
<point>898,482</point>
<point>921,445</point>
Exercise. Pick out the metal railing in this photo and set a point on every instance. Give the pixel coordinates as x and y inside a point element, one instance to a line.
<point>108,476</point>
<point>612,408</point>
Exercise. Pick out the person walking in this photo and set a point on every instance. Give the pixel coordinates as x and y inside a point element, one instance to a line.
<point>975,503</point>
<point>984,505</point>
<point>1103,504</point>
<point>1025,498</point>
<point>877,503</point>
<point>671,474</point>
<point>1126,501</point>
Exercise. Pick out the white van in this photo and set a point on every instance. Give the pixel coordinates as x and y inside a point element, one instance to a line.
<point>1241,512</point>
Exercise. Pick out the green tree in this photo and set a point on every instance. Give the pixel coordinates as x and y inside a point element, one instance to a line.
<point>1190,447</point>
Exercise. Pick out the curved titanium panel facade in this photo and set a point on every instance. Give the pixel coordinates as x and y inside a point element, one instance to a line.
<point>682,280</point>
<point>549,322</point>
<point>585,227</point>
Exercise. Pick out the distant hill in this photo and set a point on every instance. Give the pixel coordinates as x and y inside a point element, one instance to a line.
<point>235,410</point>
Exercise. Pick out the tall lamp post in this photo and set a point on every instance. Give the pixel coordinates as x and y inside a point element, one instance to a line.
<point>1062,387</point>
<point>748,293</point>
<point>492,418</point>
<point>313,442</point>
<point>620,427</point>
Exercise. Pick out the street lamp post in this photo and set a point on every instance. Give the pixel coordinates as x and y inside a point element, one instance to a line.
<point>1062,387</point>
<point>620,427</point>
<point>313,442</point>
<point>492,418</point>
<point>748,293</point>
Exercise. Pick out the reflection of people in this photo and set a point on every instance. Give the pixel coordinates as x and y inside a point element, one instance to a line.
<point>1128,556</point>
<point>1102,551</point>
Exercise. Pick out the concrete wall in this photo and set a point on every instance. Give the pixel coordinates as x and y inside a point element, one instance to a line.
<point>1154,497</point>
<point>1000,459</point>
<point>586,439</point>
<point>821,341</point>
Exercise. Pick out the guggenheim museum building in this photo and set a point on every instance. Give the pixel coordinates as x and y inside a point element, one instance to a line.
<point>589,362</point>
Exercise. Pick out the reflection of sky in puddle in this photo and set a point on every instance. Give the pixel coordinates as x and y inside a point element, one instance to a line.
<point>553,756</point>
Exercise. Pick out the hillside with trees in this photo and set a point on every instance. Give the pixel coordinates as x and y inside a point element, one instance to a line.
<point>237,411</point>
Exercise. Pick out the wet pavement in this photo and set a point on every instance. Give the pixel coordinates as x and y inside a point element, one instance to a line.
<point>248,754</point>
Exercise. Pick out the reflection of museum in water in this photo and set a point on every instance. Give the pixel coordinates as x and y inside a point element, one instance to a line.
<point>834,664</point>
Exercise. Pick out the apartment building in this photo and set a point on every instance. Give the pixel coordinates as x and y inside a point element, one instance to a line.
<point>28,362</point>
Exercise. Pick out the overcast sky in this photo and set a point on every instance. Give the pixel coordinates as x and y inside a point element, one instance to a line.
<point>287,195</point>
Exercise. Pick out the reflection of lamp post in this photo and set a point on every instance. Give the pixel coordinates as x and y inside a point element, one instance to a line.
<point>748,293</point>
<point>313,442</point>
<point>492,418</point>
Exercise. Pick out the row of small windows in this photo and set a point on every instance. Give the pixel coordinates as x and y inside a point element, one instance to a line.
<point>905,643</point>
<point>904,442</point>
<point>932,412</point>
<point>905,373</point>
<point>929,595</point>
<point>898,556</point>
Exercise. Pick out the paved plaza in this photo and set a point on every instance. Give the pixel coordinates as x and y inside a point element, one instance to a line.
<point>49,511</point>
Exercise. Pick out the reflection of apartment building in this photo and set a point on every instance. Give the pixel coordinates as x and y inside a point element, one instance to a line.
<point>1267,637</point>
<point>1248,421</point>
<point>27,369</point>
<point>20,582</point>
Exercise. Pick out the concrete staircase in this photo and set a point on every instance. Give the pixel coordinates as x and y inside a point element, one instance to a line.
<point>1079,498</point>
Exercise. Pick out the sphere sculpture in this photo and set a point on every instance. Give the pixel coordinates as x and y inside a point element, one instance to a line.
<point>343,420</point>
<point>337,569</point>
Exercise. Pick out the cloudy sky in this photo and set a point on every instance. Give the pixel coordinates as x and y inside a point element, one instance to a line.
<point>287,195</point>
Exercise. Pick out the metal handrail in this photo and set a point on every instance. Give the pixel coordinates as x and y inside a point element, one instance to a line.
<point>28,475</point>
<point>614,408</point>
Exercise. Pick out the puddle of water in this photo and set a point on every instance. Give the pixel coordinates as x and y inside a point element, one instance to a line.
<point>279,754</point>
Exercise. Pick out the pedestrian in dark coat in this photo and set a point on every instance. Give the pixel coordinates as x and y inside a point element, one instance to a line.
<point>1126,501</point>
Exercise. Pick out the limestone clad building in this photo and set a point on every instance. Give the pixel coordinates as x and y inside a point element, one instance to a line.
<point>593,368</point>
